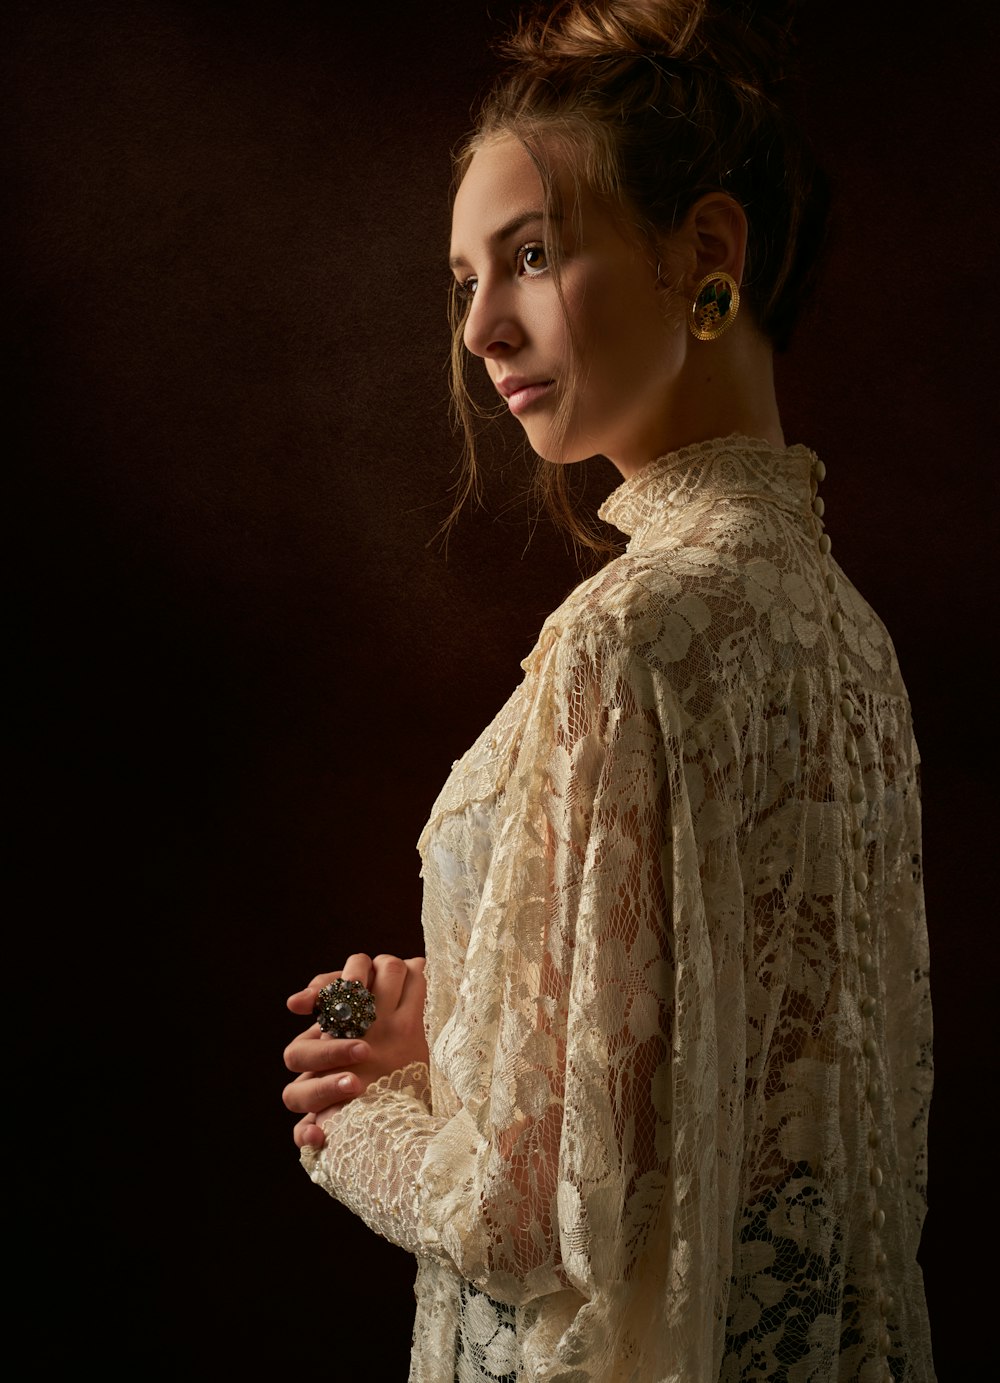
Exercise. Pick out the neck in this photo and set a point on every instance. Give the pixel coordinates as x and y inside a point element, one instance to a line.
<point>724,387</point>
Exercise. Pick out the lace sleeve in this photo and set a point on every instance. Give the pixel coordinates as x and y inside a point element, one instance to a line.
<point>374,1149</point>
<point>554,1172</point>
<point>908,1003</point>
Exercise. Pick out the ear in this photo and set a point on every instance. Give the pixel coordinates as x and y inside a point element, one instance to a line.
<point>712,236</point>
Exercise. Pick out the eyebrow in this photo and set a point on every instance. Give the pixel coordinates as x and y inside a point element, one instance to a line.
<point>508,229</point>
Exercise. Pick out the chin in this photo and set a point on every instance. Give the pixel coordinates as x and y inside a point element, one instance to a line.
<point>566,452</point>
<point>573,460</point>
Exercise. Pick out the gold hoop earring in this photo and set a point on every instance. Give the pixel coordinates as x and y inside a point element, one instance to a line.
<point>714,306</point>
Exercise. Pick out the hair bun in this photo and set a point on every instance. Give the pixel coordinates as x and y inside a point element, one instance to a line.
<point>748,41</point>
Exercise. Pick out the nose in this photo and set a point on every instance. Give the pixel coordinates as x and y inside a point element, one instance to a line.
<point>492,328</point>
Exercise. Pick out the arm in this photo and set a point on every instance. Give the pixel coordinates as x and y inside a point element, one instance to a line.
<point>553,1172</point>
<point>907,1009</point>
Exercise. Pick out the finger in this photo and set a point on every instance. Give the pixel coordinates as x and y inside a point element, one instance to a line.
<point>304,1001</point>
<point>358,967</point>
<point>307,1133</point>
<point>415,982</point>
<point>313,1137</point>
<point>390,976</point>
<point>298,1055</point>
<point>314,1051</point>
<point>309,1093</point>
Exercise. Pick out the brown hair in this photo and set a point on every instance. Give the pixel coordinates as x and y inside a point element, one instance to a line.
<point>658,102</point>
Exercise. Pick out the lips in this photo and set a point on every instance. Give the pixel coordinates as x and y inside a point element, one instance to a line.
<point>521,392</point>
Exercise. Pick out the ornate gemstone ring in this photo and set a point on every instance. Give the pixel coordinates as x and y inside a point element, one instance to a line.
<point>345,1009</point>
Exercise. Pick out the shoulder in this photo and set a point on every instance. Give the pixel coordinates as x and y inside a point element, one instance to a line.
<point>634,634</point>
<point>714,623</point>
<point>651,604</point>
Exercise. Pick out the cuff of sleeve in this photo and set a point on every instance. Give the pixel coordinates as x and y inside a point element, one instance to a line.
<point>413,1079</point>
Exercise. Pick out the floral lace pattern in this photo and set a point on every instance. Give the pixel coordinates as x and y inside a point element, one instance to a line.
<point>487,1339</point>
<point>674,1125</point>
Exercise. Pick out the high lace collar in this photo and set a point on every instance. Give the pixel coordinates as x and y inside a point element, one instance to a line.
<point>723,467</point>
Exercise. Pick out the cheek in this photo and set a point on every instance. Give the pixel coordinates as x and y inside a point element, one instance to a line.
<point>626,338</point>
<point>550,328</point>
<point>618,300</point>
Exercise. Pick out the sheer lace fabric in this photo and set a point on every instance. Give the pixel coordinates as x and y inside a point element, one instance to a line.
<point>674,1122</point>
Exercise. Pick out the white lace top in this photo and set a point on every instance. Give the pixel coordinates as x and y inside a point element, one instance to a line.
<point>674,1126</point>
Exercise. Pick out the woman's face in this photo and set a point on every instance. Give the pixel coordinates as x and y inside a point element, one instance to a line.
<point>631,349</point>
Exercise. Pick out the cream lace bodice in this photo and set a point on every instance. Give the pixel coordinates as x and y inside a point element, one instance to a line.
<point>674,1124</point>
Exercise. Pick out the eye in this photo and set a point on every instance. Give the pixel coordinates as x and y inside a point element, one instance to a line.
<point>465,288</point>
<point>532,260</point>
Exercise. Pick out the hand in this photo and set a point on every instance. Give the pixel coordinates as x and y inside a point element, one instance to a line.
<point>335,1070</point>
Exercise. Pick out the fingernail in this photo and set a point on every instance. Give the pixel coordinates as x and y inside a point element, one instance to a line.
<point>345,1082</point>
<point>359,1051</point>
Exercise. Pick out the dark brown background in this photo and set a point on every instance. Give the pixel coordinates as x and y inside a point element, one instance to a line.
<point>245,673</point>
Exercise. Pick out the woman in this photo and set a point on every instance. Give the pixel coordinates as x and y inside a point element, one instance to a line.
<point>671,1120</point>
